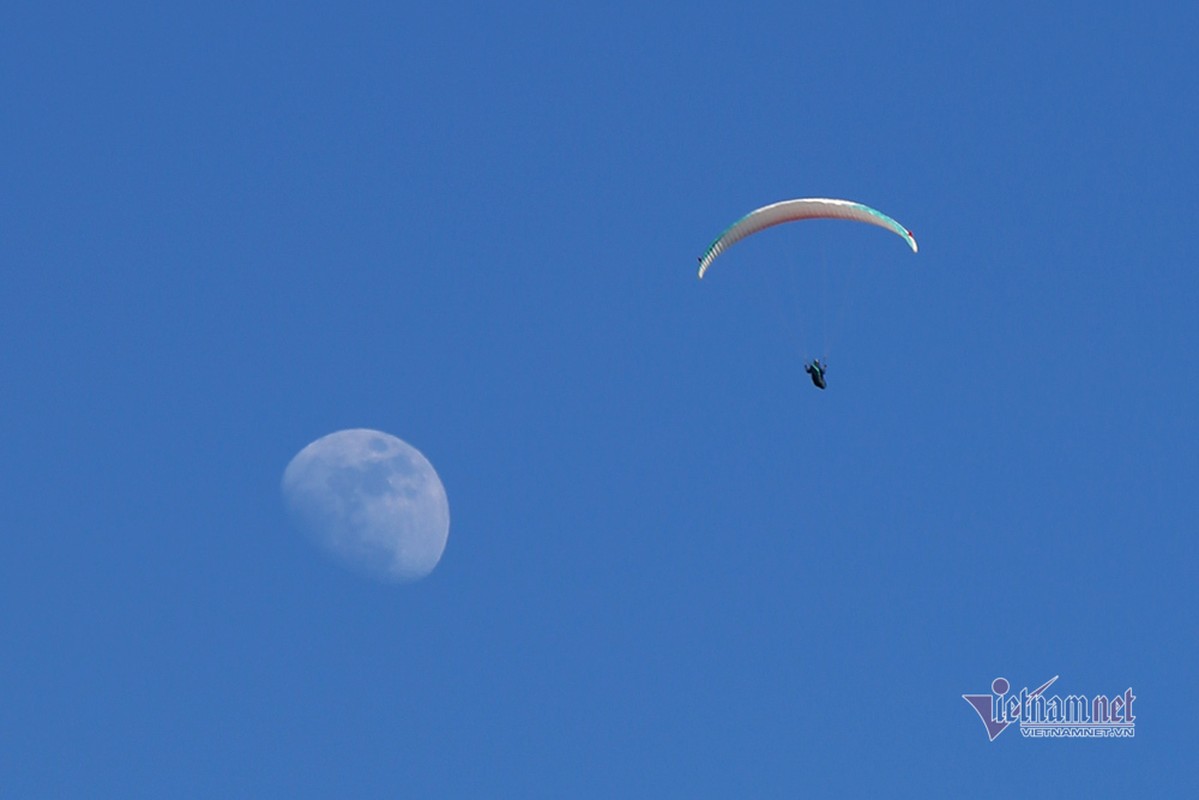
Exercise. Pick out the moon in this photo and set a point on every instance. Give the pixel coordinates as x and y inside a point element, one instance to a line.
<point>371,500</point>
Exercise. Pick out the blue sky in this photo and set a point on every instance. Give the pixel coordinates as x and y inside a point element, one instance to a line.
<point>674,567</point>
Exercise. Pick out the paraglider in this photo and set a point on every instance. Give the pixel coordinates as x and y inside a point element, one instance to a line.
<point>794,210</point>
<point>817,370</point>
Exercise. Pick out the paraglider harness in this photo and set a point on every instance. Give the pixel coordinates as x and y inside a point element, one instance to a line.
<point>816,370</point>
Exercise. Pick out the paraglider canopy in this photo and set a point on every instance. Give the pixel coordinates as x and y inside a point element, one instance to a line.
<point>794,210</point>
